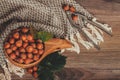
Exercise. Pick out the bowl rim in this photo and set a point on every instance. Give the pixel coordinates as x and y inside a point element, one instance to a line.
<point>20,64</point>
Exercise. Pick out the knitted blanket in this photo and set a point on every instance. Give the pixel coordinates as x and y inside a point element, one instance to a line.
<point>46,15</point>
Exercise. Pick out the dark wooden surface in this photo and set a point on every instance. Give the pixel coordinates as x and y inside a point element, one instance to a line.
<point>93,64</point>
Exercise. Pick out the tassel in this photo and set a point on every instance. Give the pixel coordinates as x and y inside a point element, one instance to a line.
<point>2,76</point>
<point>7,73</point>
<point>93,40</point>
<point>86,44</point>
<point>95,32</point>
<point>104,27</point>
<point>75,47</point>
<point>14,69</point>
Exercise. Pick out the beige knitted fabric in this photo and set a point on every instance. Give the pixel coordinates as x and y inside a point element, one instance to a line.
<point>46,15</point>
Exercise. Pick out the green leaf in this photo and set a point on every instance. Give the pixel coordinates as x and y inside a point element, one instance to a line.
<point>51,64</point>
<point>44,36</point>
<point>54,61</point>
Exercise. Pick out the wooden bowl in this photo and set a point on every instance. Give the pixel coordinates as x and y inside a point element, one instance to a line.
<point>51,46</point>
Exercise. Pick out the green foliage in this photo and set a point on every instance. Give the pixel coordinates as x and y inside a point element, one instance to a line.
<point>44,36</point>
<point>51,64</point>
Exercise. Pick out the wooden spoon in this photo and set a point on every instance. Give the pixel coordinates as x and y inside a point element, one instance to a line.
<point>50,47</point>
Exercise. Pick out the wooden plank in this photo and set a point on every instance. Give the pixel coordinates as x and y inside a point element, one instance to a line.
<point>103,64</point>
<point>97,60</point>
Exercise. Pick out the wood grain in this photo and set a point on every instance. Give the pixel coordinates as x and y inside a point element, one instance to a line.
<point>103,64</point>
<point>92,64</point>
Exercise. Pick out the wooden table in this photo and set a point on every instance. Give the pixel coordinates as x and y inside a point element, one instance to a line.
<point>93,64</point>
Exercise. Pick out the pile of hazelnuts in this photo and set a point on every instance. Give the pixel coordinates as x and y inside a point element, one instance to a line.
<point>21,46</point>
<point>72,9</point>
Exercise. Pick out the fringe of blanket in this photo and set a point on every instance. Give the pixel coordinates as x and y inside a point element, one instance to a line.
<point>93,32</point>
<point>10,68</point>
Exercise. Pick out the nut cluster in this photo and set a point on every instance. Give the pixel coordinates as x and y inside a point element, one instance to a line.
<point>72,9</point>
<point>33,70</point>
<point>21,46</point>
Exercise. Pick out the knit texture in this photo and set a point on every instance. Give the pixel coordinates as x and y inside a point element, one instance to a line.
<point>44,15</point>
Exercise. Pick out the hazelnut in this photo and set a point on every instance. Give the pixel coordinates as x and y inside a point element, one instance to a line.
<point>28,61</point>
<point>19,43</point>
<point>29,49</point>
<point>23,56</point>
<point>32,41</point>
<point>36,57</point>
<point>35,68</point>
<point>29,37</point>
<point>35,75</point>
<point>8,51</point>
<point>21,61</point>
<point>12,56</point>
<point>17,53</point>
<point>21,49</point>
<point>11,41</point>
<point>41,51</point>
<point>26,40</point>
<point>25,45</point>
<point>72,9</point>
<point>25,30</point>
<point>16,35</point>
<point>6,45</point>
<point>39,41</point>
<point>75,17</point>
<point>35,51</point>
<point>33,45</point>
<point>39,46</point>
<point>13,47</point>
<point>66,7</point>
<point>23,37</point>
<point>30,55</point>
<point>30,70</point>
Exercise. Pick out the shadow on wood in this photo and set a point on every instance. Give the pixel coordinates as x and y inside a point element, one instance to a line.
<point>73,74</point>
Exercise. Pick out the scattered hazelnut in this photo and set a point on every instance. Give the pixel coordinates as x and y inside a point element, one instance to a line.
<point>35,68</point>
<point>72,9</point>
<point>35,75</point>
<point>75,17</point>
<point>30,70</point>
<point>66,7</point>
